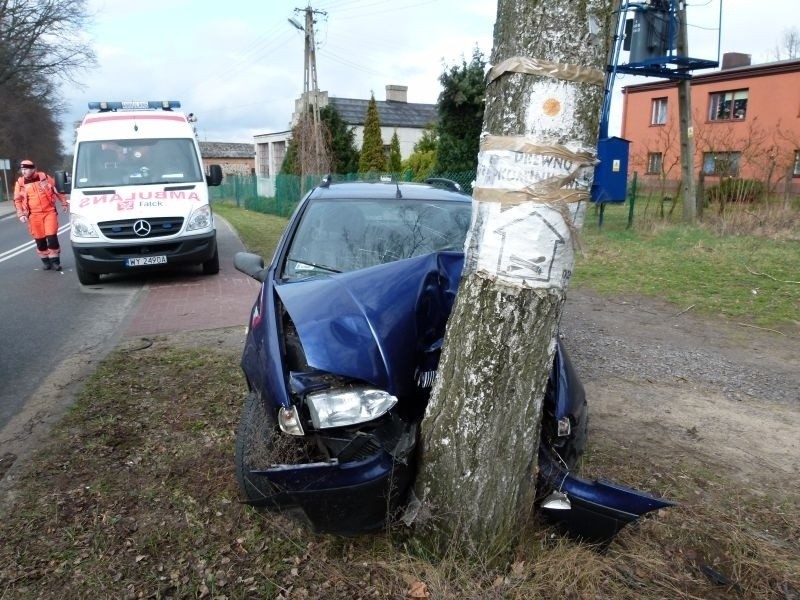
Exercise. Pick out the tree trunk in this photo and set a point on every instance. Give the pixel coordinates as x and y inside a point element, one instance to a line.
<point>477,479</point>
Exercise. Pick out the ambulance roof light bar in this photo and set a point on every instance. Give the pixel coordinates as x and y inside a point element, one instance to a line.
<point>134,105</point>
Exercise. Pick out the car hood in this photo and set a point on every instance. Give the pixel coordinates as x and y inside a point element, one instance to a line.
<point>383,325</point>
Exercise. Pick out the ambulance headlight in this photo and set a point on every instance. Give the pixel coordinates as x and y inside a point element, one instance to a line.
<point>200,218</point>
<point>81,228</point>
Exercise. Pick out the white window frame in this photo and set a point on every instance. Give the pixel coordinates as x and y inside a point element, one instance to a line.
<point>729,105</point>
<point>713,159</point>
<point>655,163</point>
<point>658,114</point>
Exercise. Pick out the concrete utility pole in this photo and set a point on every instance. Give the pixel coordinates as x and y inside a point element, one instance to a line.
<point>686,129</point>
<point>312,149</point>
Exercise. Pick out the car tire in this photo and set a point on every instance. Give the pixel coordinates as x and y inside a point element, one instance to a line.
<point>86,277</point>
<point>255,440</point>
<point>211,266</point>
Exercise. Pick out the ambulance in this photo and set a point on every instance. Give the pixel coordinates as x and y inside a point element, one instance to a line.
<point>138,194</point>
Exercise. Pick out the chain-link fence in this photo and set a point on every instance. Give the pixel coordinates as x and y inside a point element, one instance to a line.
<point>280,195</point>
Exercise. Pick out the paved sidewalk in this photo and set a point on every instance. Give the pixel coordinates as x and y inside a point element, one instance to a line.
<point>197,302</point>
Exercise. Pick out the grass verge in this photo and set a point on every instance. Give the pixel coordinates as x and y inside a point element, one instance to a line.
<point>134,497</point>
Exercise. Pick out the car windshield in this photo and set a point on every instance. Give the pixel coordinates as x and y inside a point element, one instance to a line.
<point>136,162</point>
<point>345,235</point>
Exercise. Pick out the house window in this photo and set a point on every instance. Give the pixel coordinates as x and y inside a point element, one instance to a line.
<point>655,162</point>
<point>724,164</point>
<point>727,106</point>
<point>796,170</point>
<point>659,114</point>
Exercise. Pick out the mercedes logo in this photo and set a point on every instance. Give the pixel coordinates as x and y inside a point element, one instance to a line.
<point>141,228</point>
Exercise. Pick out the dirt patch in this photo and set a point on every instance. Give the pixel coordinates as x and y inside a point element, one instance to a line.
<point>676,384</point>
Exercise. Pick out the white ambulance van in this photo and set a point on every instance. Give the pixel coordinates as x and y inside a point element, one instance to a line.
<point>138,194</point>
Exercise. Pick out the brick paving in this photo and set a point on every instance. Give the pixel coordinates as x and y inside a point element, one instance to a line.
<point>197,302</point>
<point>194,303</point>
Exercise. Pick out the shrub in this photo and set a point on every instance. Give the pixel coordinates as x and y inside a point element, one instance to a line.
<point>736,190</point>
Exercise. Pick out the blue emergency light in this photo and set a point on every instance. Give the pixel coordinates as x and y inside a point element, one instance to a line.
<point>134,105</point>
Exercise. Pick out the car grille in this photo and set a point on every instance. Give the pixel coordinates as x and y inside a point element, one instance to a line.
<point>124,230</point>
<point>360,448</point>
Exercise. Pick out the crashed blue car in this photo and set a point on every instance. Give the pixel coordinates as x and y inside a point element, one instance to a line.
<point>341,355</point>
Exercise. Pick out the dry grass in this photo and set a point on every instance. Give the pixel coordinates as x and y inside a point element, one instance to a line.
<point>134,497</point>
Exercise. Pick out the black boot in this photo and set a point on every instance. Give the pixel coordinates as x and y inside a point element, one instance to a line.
<point>56,262</point>
<point>46,266</point>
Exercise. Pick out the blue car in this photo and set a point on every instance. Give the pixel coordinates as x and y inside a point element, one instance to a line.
<point>341,355</point>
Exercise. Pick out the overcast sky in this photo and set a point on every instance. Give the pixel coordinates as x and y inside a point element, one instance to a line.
<point>239,66</point>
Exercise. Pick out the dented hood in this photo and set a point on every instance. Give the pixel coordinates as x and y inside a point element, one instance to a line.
<point>380,324</point>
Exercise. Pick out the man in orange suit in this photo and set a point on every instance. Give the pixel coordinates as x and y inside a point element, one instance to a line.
<point>35,197</point>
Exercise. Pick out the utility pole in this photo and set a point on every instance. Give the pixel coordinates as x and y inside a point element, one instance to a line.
<point>685,120</point>
<point>312,151</point>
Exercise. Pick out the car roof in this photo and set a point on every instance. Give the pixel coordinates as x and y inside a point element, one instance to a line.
<point>385,190</point>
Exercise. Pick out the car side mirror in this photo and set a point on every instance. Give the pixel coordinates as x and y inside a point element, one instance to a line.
<point>214,176</point>
<point>63,182</point>
<point>250,264</point>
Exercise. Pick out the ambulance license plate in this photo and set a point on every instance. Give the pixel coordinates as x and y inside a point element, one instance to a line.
<point>145,260</point>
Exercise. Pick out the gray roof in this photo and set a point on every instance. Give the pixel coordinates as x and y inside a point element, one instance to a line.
<point>390,112</point>
<point>226,150</point>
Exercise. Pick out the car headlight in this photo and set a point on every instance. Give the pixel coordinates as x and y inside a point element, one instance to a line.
<point>81,227</point>
<point>200,218</point>
<point>347,406</point>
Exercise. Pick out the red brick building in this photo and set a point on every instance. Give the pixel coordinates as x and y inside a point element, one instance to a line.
<point>745,123</point>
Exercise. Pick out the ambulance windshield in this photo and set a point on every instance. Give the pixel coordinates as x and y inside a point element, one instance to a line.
<point>115,163</point>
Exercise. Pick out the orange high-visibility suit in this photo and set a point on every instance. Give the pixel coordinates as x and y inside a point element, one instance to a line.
<point>35,198</point>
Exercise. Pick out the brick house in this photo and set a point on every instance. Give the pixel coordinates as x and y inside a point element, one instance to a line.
<point>234,158</point>
<point>745,119</point>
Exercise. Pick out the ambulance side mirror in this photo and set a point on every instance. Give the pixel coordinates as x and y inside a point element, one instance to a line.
<point>214,176</point>
<point>63,182</point>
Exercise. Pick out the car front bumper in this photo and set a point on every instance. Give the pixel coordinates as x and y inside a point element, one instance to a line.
<point>349,498</point>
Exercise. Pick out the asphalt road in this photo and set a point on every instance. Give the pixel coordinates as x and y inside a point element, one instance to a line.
<point>47,316</point>
<point>48,319</point>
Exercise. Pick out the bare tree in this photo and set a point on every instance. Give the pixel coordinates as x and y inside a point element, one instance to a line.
<point>477,480</point>
<point>43,38</point>
<point>789,46</point>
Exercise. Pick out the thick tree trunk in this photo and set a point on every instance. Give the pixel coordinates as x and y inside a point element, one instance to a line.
<point>481,432</point>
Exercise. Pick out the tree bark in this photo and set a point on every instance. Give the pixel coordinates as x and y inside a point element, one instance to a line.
<point>477,479</point>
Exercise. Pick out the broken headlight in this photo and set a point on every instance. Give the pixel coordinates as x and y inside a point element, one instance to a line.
<point>340,407</point>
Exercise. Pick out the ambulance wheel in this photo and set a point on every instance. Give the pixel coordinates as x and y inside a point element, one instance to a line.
<point>211,266</point>
<point>85,277</point>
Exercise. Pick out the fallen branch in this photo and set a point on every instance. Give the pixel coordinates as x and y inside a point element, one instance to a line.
<point>687,309</point>
<point>762,328</point>
<point>768,276</point>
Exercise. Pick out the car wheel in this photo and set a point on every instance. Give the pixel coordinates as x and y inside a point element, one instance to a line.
<point>85,277</point>
<point>255,441</point>
<point>211,266</point>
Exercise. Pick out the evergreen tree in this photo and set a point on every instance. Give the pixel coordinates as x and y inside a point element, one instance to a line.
<point>460,107</point>
<point>342,141</point>
<point>423,159</point>
<point>373,158</point>
<point>395,160</point>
